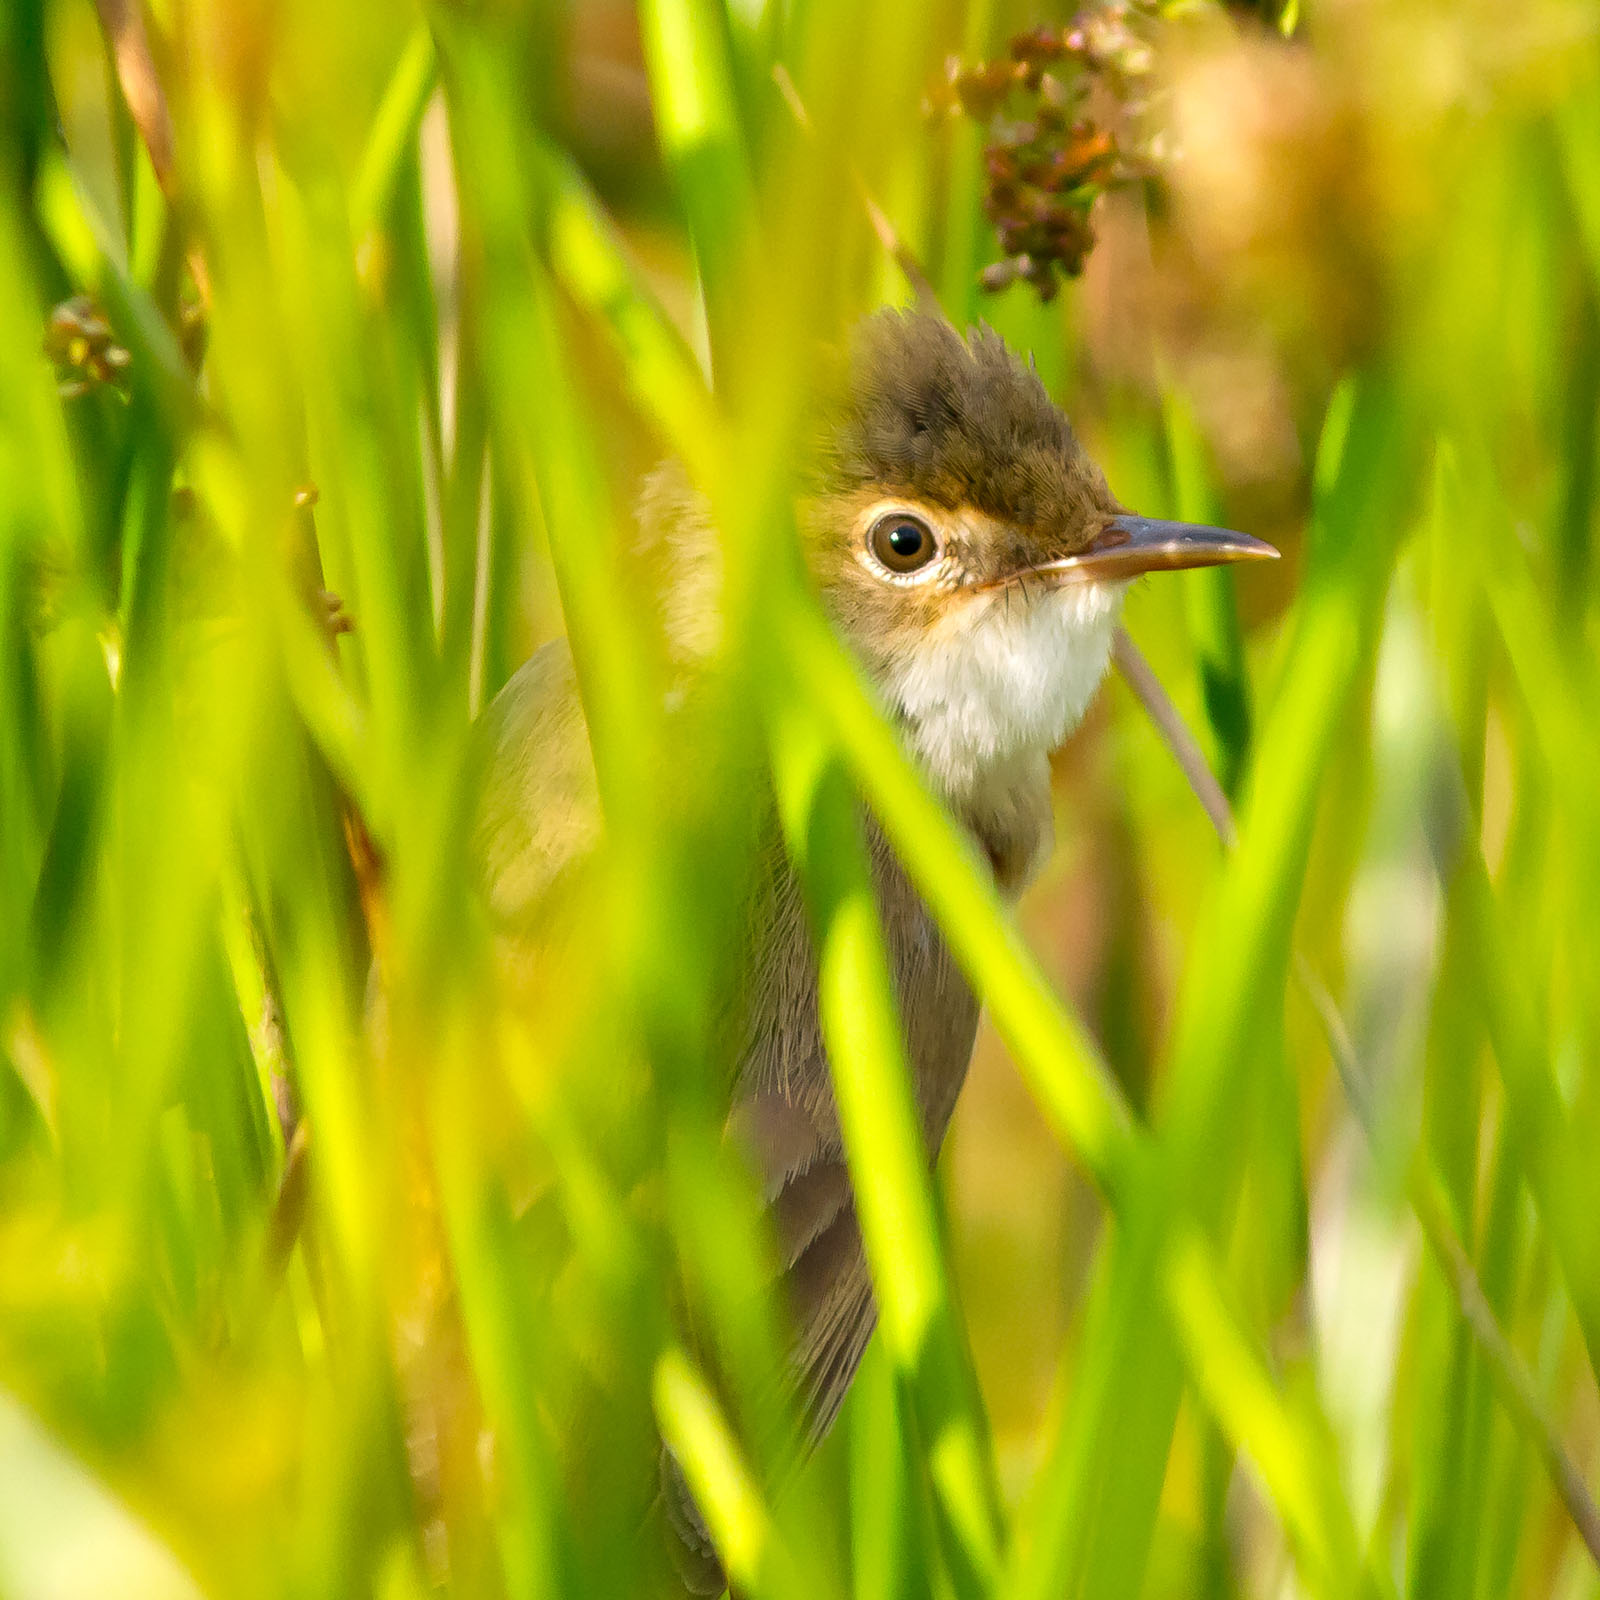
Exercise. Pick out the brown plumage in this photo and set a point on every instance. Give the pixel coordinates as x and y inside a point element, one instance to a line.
<point>984,653</point>
<point>957,422</point>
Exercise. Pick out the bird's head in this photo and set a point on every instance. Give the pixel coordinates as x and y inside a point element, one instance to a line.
<point>971,551</point>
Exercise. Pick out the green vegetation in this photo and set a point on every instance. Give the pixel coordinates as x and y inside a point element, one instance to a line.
<point>332,1263</point>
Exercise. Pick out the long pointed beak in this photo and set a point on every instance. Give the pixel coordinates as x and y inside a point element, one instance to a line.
<point>1129,545</point>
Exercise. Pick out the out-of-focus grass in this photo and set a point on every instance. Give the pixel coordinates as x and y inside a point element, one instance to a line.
<point>333,1267</point>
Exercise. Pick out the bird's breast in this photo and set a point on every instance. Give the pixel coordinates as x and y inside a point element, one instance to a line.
<point>784,1076</point>
<point>938,1010</point>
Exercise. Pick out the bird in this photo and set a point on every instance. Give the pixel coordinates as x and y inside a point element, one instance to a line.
<point>968,550</point>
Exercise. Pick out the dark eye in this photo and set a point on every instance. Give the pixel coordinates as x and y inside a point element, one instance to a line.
<point>901,542</point>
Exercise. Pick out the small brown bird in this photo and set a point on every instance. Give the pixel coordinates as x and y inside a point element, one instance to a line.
<point>971,554</point>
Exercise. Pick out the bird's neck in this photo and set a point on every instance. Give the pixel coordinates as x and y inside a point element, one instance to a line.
<point>1008,812</point>
<point>985,695</point>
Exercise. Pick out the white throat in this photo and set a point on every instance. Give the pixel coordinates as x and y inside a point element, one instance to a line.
<point>1003,681</point>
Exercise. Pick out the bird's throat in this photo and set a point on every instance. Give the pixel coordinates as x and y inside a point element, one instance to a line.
<point>1001,679</point>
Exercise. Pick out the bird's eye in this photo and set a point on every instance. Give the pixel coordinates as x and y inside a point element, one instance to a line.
<point>902,543</point>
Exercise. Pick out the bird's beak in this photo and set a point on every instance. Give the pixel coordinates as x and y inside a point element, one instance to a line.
<point>1129,545</point>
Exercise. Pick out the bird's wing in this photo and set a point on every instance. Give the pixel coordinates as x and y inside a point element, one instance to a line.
<point>538,826</point>
<point>831,1296</point>
<point>786,1117</point>
<point>539,816</point>
<point>812,1206</point>
<point>828,1291</point>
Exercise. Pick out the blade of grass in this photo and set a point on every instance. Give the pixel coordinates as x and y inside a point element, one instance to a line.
<point>883,1140</point>
<point>1231,989</point>
<point>1125,1161</point>
<point>1432,1202</point>
<point>62,1531</point>
<point>697,118</point>
<point>589,259</point>
<point>691,1423</point>
<point>1211,604</point>
<point>1293,1455</point>
<point>1081,1099</point>
<point>960,239</point>
<point>392,140</point>
<point>558,455</point>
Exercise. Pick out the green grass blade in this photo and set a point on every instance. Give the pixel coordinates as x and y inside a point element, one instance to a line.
<point>883,1139</point>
